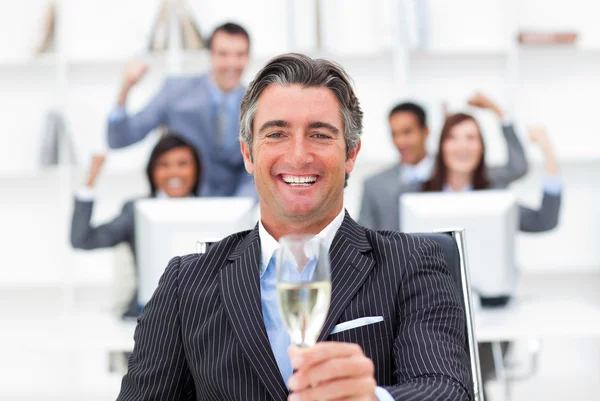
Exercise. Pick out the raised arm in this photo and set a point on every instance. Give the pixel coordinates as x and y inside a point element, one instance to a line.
<point>516,165</point>
<point>86,236</point>
<point>123,129</point>
<point>546,217</point>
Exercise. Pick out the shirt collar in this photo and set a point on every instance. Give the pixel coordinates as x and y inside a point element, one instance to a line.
<point>160,194</point>
<point>419,172</point>
<point>269,245</point>
<point>217,95</point>
<point>447,188</point>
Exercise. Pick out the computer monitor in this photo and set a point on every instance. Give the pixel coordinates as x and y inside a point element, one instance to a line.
<point>490,221</point>
<point>165,228</point>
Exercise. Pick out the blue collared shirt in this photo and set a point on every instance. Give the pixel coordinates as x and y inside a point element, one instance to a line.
<point>417,173</point>
<point>278,337</point>
<point>231,101</point>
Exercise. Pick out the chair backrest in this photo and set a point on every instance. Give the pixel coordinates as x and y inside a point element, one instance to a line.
<point>454,246</point>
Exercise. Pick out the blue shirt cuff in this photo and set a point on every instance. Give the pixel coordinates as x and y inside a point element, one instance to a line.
<point>552,185</point>
<point>85,194</point>
<point>117,115</point>
<point>382,394</point>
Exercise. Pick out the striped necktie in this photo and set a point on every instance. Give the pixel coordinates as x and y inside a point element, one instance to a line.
<point>221,124</point>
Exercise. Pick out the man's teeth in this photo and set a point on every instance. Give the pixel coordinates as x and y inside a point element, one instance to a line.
<point>174,182</point>
<point>296,180</point>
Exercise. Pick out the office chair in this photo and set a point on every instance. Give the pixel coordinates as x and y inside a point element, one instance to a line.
<point>455,251</point>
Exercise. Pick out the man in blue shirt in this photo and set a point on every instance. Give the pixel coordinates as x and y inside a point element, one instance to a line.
<point>203,109</point>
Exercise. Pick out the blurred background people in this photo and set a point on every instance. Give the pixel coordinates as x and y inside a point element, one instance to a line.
<point>460,166</point>
<point>203,109</point>
<point>408,125</point>
<point>173,171</point>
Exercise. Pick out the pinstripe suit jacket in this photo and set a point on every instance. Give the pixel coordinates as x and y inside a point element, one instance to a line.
<point>202,335</point>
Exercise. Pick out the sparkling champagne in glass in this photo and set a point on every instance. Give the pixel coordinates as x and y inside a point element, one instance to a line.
<point>303,286</point>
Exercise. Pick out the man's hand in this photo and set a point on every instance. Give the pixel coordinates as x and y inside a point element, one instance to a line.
<point>331,371</point>
<point>484,102</point>
<point>134,72</point>
<point>97,162</point>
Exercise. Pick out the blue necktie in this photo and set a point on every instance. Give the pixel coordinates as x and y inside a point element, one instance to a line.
<point>221,124</point>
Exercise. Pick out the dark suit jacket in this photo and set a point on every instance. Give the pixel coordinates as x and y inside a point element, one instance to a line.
<point>85,236</point>
<point>184,105</point>
<point>202,335</point>
<point>120,229</point>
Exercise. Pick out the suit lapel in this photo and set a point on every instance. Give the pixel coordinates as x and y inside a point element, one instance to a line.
<point>393,184</point>
<point>240,289</point>
<point>349,270</point>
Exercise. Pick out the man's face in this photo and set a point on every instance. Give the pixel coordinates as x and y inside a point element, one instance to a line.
<point>229,55</point>
<point>409,137</point>
<point>298,154</point>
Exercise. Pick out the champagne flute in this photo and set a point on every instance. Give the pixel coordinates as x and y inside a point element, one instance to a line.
<point>303,286</point>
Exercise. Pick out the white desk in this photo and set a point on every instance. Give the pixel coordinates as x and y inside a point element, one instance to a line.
<point>97,335</point>
<point>538,317</point>
<point>520,319</point>
<point>534,318</point>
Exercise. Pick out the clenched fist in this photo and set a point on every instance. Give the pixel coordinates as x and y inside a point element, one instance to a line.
<point>134,72</point>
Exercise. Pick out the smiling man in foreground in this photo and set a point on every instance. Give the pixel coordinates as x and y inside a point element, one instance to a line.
<point>395,327</point>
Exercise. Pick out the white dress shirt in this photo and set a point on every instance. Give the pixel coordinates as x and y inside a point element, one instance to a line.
<point>419,172</point>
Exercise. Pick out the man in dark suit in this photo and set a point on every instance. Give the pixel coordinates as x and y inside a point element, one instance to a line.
<point>203,109</point>
<point>395,326</point>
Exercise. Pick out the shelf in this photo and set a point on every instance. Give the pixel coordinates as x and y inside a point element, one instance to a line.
<point>535,53</point>
<point>460,53</point>
<point>44,60</point>
<point>49,280</point>
<point>203,57</point>
<point>560,48</point>
<point>118,61</point>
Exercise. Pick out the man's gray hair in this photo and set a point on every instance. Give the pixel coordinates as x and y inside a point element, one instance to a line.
<point>293,68</point>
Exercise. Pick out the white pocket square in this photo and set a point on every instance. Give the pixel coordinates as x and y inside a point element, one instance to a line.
<point>352,324</point>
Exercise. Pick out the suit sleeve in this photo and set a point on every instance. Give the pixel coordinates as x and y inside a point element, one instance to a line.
<point>128,130</point>
<point>543,219</point>
<point>368,216</point>
<point>85,236</point>
<point>246,185</point>
<point>158,369</point>
<point>430,359</point>
<point>517,164</point>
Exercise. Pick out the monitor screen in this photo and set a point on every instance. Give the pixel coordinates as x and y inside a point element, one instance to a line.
<point>165,228</point>
<point>490,221</point>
